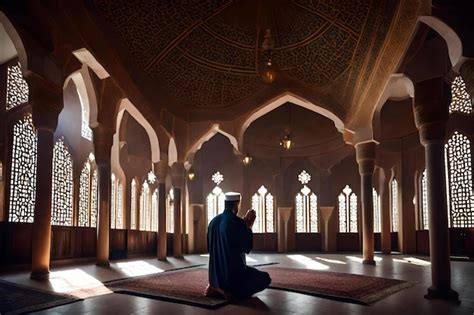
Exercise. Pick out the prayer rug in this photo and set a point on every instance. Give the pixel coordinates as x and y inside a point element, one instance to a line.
<point>18,299</point>
<point>182,286</point>
<point>334,285</point>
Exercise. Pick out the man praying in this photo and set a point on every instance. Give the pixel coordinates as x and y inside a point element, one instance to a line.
<point>229,238</point>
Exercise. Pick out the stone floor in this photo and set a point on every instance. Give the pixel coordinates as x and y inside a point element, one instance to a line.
<point>85,281</point>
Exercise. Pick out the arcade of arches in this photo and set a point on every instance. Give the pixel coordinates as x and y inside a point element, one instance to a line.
<point>124,124</point>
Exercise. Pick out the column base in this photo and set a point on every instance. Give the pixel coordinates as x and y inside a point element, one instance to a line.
<point>368,262</point>
<point>178,256</point>
<point>39,275</point>
<point>442,294</point>
<point>162,258</point>
<point>103,263</point>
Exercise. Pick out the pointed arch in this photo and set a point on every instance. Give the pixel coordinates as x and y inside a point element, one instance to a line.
<point>126,105</point>
<point>215,129</point>
<point>449,35</point>
<point>281,100</point>
<point>11,42</point>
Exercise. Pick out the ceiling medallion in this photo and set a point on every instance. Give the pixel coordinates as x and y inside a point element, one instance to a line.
<point>268,71</point>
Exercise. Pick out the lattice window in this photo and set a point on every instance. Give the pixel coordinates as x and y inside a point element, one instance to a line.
<point>306,205</point>
<point>394,205</point>
<point>215,201</point>
<point>23,171</point>
<point>377,217</point>
<point>154,211</point>
<point>94,199</point>
<point>133,206</point>
<point>62,186</point>
<point>88,194</point>
<point>423,202</point>
<point>459,166</point>
<point>347,206</point>
<point>262,203</point>
<point>460,100</point>
<point>116,205</point>
<point>170,212</point>
<point>113,201</point>
<point>86,131</point>
<point>145,207</point>
<point>17,88</point>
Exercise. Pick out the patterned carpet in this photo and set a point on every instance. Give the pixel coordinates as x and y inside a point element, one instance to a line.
<point>334,285</point>
<point>18,299</point>
<point>187,286</point>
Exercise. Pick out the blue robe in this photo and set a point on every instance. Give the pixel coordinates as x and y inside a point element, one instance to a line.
<point>228,240</point>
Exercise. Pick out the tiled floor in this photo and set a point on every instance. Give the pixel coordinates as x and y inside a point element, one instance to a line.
<point>85,280</point>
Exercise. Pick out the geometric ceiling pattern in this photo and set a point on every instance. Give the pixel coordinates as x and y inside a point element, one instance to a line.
<point>207,54</point>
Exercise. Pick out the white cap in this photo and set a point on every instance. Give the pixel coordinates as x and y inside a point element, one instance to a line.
<point>232,196</point>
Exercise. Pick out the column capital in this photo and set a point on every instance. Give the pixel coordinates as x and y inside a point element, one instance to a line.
<point>46,99</point>
<point>431,109</point>
<point>177,174</point>
<point>285,213</point>
<point>103,140</point>
<point>161,170</point>
<point>365,156</point>
<point>467,74</point>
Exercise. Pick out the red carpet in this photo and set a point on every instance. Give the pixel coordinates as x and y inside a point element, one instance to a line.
<point>335,285</point>
<point>183,286</point>
<point>187,286</point>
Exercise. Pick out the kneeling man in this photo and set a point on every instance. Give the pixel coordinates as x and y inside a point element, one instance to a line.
<point>229,238</point>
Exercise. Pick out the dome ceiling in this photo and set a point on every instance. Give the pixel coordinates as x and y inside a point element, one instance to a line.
<point>203,57</point>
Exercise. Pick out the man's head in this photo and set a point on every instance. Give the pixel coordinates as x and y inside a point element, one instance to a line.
<point>232,202</point>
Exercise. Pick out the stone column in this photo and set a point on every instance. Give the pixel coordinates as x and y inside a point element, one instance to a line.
<point>386,238</point>
<point>365,155</point>
<point>284,214</point>
<point>328,233</point>
<point>177,178</point>
<point>103,138</point>
<point>161,170</point>
<point>46,101</point>
<point>431,116</point>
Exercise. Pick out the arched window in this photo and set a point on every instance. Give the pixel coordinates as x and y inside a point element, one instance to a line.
<point>17,88</point>
<point>306,207</point>
<point>423,202</point>
<point>377,217</point>
<point>133,206</point>
<point>23,171</point>
<point>86,131</point>
<point>347,204</point>
<point>145,207</point>
<point>62,186</point>
<point>116,207</point>
<point>459,168</point>
<point>216,199</point>
<point>154,211</point>
<point>170,212</point>
<point>394,205</point>
<point>460,100</point>
<point>262,203</point>
<point>88,194</point>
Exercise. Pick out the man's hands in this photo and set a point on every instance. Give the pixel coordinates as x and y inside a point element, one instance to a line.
<point>249,218</point>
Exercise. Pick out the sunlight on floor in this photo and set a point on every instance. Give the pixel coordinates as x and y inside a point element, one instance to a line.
<point>332,261</point>
<point>413,260</point>
<point>77,282</point>
<point>308,262</point>
<point>138,268</point>
<point>360,259</point>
